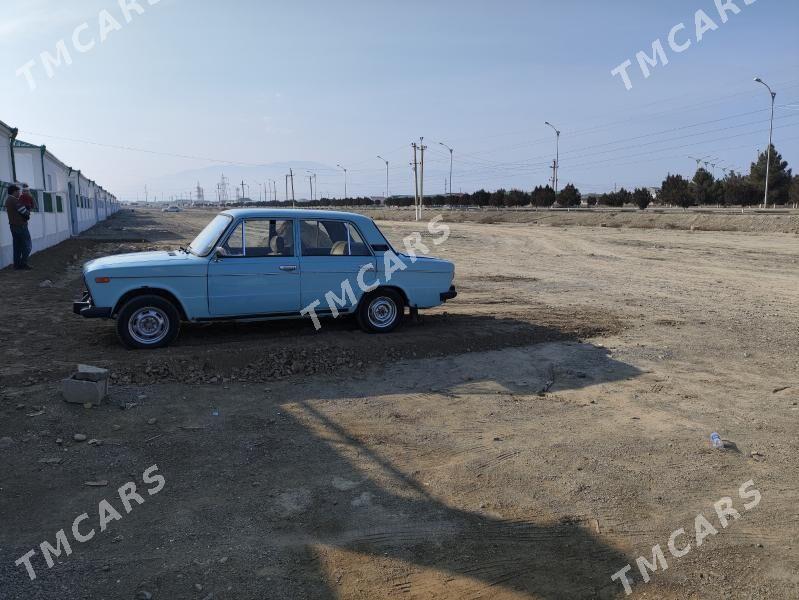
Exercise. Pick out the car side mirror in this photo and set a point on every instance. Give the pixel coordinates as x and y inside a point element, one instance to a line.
<point>220,253</point>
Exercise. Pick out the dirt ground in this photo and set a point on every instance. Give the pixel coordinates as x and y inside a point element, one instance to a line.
<point>780,220</point>
<point>528,440</point>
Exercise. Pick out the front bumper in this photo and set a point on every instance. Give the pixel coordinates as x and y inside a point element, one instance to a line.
<point>85,308</point>
<point>449,295</point>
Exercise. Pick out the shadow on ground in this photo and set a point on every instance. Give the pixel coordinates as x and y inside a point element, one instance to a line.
<point>303,505</point>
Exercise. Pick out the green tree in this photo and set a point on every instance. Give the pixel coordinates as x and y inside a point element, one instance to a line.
<point>675,189</point>
<point>543,196</point>
<point>738,190</point>
<point>570,196</point>
<point>642,198</point>
<point>481,198</point>
<point>498,198</point>
<point>702,186</point>
<point>793,194</point>
<point>779,177</point>
<point>517,198</point>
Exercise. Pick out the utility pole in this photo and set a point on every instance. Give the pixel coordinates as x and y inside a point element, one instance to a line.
<point>274,183</point>
<point>557,156</point>
<point>384,160</point>
<point>310,182</point>
<point>345,180</point>
<point>287,187</point>
<point>415,183</point>
<point>698,160</point>
<point>422,147</point>
<point>291,175</point>
<point>770,138</point>
<point>450,165</point>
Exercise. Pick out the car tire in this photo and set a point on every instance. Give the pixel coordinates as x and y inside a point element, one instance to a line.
<point>380,311</point>
<point>147,322</point>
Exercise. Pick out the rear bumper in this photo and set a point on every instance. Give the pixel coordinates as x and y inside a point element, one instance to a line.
<point>86,309</point>
<point>449,295</point>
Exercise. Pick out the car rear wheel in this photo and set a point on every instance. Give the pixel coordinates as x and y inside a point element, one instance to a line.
<point>148,322</point>
<point>381,311</point>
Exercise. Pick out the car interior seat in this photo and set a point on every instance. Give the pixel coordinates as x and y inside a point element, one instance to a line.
<point>339,249</point>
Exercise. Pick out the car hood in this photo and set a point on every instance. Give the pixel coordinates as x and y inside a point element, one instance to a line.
<point>138,259</point>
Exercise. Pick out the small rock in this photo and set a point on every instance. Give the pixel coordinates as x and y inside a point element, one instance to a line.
<point>79,437</point>
<point>59,441</point>
<point>143,595</point>
<point>6,442</point>
<point>50,461</point>
<point>223,560</point>
<point>90,373</point>
<point>94,442</point>
<point>152,421</point>
<point>46,284</point>
<point>106,567</point>
<point>101,483</point>
<point>115,427</point>
<point>198,587</point>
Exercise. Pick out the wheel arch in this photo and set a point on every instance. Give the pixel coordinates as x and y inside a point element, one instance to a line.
<point>150,291</point>
<point>393,288</point>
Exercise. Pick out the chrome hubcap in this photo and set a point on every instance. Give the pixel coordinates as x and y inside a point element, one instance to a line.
<point>382,312</point>
<point>148,325</point>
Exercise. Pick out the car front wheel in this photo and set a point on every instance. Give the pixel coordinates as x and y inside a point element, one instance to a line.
<point>148,322</point>
<point>380,312</point>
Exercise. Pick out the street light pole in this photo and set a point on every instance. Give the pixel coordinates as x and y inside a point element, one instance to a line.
<point>770,137</point>
<point>385,161</point>
<point>557,155</point>
<point>345,180</point>
<point>450,165</point>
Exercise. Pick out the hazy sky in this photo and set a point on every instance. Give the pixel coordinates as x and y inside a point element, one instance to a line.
<point>257,82</point>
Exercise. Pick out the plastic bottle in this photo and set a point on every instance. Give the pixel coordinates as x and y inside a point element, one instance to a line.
<point>716,441</point>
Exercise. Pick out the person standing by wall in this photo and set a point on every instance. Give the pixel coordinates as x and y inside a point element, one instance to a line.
<point>18,216</point>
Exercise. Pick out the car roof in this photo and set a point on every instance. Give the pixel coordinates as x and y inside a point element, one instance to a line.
<point>294,213</point>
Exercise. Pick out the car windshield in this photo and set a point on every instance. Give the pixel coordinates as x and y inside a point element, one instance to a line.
<point>204,243</point>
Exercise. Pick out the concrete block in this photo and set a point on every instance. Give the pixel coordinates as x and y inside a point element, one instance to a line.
<point>89,373</point>
<point>78,391</point>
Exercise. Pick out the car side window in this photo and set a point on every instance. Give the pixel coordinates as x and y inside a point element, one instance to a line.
<point>261,238</point>
<point>331,238</point>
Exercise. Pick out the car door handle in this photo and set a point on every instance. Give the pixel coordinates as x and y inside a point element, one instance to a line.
<point>288,268</point>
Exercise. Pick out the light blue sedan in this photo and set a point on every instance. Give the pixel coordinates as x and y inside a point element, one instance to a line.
<point>260,264</point>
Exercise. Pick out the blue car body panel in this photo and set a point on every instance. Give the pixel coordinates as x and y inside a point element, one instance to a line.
<point>211,287</point>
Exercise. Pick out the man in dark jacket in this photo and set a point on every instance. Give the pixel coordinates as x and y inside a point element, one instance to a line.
<point>18,216</point>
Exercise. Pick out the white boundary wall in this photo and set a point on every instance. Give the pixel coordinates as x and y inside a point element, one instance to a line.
<point>68,202</point>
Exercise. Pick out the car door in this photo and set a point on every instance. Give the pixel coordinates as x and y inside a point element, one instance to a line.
<point>333,253</point>
<point>256,271</point>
